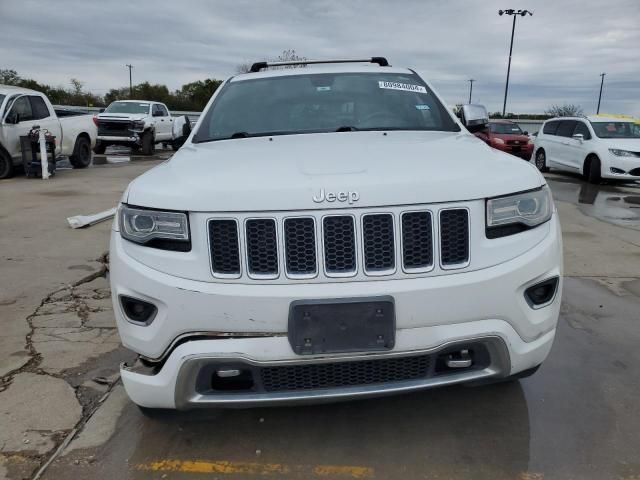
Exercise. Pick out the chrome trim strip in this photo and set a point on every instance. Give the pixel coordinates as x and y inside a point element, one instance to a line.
<point>260,276</point>
<point>299,276</point>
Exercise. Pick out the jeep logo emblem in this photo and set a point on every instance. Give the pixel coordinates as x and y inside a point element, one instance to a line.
<point>323,196</point>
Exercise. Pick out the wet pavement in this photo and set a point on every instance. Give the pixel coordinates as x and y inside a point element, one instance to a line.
<point>616,203</point>
<point>578,417</point>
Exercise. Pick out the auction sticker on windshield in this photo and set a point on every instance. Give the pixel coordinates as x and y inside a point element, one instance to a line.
<point>406,87</point>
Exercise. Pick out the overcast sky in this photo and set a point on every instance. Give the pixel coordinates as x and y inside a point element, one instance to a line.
<point>559,52</point>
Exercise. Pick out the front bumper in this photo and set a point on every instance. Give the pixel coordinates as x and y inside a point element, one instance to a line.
<point>175,385</point>
<point>432,313</point>
<point>619,168</point>
<point>108,139</point>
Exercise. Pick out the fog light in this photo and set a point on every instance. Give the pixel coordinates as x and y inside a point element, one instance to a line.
<point>541,293</point>
<point>138,311</point>
<point>617,170</point>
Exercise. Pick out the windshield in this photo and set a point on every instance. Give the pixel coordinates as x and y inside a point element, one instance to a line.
<point>616,129</point>
<point>314,103</point>
<point>505,128</point>
<point>128,107</point>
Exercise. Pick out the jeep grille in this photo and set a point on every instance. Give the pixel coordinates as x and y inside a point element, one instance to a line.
<point>340,245</point>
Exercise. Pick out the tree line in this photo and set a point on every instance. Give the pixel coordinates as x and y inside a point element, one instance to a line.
<point>190,97</point>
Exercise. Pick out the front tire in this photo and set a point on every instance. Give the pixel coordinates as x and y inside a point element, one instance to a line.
<point>81,157</point>
<point>6,165</point>
<point>147,143</point>
<point>541,161</point>
<point>99,148</point>
<point>593,172</point>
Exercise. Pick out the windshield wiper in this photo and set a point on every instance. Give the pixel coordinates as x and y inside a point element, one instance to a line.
<point>347,128</point>
<point>240,135</point>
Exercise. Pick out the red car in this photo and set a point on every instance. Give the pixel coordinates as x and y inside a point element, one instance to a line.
<point>507,136</point>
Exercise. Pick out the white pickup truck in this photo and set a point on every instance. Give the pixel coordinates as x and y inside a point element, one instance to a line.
<point>21,109</point>
<point>138,124</point>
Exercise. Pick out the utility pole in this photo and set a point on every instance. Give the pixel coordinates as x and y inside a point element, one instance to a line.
<point>513,13</point>
<point>600,96</point>
<point>130,82</point>
<point>471,80</point>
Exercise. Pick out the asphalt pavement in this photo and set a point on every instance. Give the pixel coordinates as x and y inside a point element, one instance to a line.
<point>63,407</point>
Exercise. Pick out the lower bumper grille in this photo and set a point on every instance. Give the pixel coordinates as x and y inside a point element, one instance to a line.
<point>345,374</point>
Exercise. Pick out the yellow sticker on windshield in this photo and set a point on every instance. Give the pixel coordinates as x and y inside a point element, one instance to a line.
<point>405,87</point>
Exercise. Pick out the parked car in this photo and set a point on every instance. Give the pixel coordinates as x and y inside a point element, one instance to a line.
<point>332,232</point>
<point>21,109</point>
<point>139,124</point>
<point>507,136</point>
<point>597,147</point>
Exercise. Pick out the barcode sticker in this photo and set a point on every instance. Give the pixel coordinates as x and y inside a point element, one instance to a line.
<point>405,87</point>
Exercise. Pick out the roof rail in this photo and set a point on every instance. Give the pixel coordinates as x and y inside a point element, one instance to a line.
<point>256,67</point>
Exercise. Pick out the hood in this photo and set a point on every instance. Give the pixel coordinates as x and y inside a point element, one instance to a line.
<point>631,144</point>
<point>287,172</point>
<point>121,116</point>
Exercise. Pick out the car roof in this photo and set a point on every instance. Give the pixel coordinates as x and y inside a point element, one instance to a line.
<point>135,101</point>
<point>318,69</point>
<point>500,120</point>
<point>595,119</point>
<point>9,89</point>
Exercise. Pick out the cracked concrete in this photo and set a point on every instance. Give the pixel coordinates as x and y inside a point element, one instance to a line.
<point>58,330</point>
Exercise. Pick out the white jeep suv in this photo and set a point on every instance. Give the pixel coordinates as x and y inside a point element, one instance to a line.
<point>597,147</point>
<point>332,232</point>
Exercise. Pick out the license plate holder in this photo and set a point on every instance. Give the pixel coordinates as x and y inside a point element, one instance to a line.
<point>342,325</point>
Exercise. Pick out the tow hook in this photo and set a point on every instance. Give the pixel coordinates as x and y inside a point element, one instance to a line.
<point>460,359</point>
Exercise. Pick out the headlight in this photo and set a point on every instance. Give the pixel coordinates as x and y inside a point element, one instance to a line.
<point>138,125</point>
<point>514,213</point>
<point>155,228</point>
<point>622,153</point>
<point>497,141</point>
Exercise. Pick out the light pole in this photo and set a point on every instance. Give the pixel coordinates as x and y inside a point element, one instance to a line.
<point>130,82</point>
<point>471,80</point>
<point>600,96</point>
<point>513,13</point>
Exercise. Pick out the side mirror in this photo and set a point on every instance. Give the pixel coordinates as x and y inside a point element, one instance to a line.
<point>12,118</point>
<point>101,110</point>
<point>526,133</point>
<point>578,136</point>
<point>474,117</point>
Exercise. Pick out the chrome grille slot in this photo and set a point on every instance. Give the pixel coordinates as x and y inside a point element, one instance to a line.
<point>262,247</point>
<point>417,241</point>
<point>454,238</point>
<point>339,239</point>
<point>224,247</point>
<point>300,246</point>
<point>378,243</point>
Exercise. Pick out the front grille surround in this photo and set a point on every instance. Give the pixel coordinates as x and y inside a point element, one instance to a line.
<point>474,211</point>
<point>228,270</point>
<point>445,265</point>
<point>332,269</point>
<point>262,268</point>
<point>390,260</point>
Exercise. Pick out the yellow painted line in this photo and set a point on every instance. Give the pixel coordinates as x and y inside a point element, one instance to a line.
<point>343,471</point>
<point>226,467</point>
<point>530,476</point>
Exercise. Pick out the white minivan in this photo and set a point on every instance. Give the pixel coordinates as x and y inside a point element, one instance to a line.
<point>332,232</point>
<point>596,146</point>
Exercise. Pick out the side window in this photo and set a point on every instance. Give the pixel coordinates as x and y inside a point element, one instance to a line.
<point>550,128</point>
<point>565,129</point>
<point>158,111</point>
<point>582,128</point>
<point>163,109</point>
<point>39,108</point>
<point>22,107</point>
